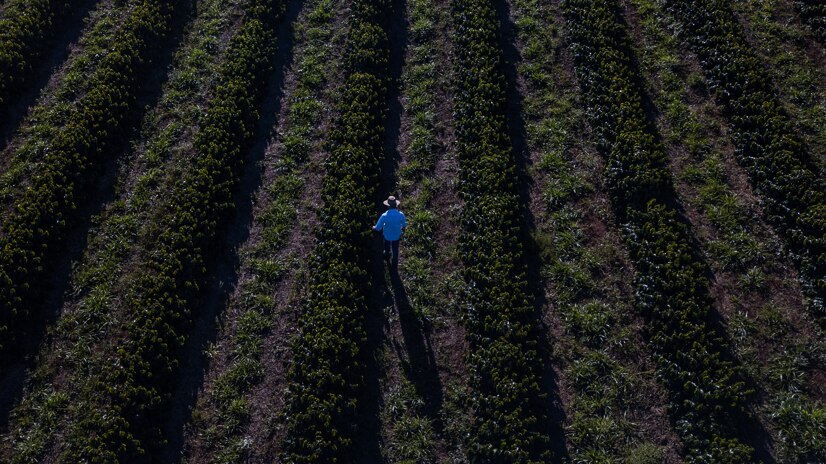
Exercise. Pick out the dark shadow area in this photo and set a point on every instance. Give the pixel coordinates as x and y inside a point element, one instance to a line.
<point>747,428</point>
<point>421,367</point>
<point>56,52</point>
<point>555,416</point>
<point>370,443</point>
<point>224,264</point>
<point>93,201</point>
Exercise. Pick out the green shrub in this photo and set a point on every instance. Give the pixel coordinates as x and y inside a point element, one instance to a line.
<point>326,374</point>
<point>134,393</point>
<point>813,14</point>
<point>706,393</point>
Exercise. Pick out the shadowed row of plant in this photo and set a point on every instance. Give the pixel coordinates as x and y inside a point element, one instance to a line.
<point>327,370</point>
<point>706,394</point>
<point>510,422</point>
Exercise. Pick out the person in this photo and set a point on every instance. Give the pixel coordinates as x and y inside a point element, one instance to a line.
<point>391,224</point>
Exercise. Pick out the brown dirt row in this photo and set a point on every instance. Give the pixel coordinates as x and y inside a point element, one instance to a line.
<point>267,397</point>
<point>738,302</point>
<point>644,405</point>
<point>99,279</point>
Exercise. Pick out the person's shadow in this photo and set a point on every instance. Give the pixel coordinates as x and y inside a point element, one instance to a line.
<point>420,363</point>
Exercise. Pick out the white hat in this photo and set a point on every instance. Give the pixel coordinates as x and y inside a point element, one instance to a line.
<point>391,202</point>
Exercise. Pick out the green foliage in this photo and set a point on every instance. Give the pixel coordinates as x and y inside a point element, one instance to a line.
<point>101,276</point>
<point>813,14</point>
<point>25,30</point>
<point>223,412</point>
<point>326,372</point>
<point>135,392</point>
<point>777,357</point>
<point>510,420</point>
<point>706,394</point>
<point>34,230</point>
<point>765,140</point>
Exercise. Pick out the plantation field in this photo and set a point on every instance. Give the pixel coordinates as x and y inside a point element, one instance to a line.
<point>615,251</point>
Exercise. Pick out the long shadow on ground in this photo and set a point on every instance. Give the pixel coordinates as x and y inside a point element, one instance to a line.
<point>518,136</point>
<point>421,366</point>
<point>225,265</point>
<point>371,402</point>
<point>58,47</point>
<point>14,374</point>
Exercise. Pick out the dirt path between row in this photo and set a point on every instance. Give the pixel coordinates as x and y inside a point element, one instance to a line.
<point>416,353</point>
<point>266,399</point>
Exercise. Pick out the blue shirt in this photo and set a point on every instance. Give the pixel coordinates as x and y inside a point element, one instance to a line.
<point>391,224</point>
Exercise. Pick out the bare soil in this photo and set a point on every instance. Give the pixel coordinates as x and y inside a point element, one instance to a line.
<point>267,399</point>
<point>431,354</point>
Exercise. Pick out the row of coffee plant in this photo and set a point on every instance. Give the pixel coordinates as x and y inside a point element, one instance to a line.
<point>605,379</point>
<point>127,425</point>
<point>510,421</point>
<point>765,320</point>
<point>706,395</point>
<point>222,418</point>
<point>25,29</point>
<point>57,100</point>
<point>813,14</point>
<point>32,234</point>
<point>765,140</point>
<point>162,151</point>
<point>327,369</point>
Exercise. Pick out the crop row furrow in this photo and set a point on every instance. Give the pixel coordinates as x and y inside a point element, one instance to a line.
<point>25,29</point>
<point>225,412</point>
<point>416,378</point>
<point>327,369</point>
<point>706,393</point>
<point>765,140</point>
<point>33,233</point>
<point>134,390</point>
<point>510,408</point>
<point>813,14</point>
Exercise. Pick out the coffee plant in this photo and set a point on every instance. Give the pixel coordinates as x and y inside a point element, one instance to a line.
<point>765,140</point>
<point>510,408</point>
<point>25,30</point>
<point>706,393</point>
<point>34,231</point>
<point>326,374</point>
<point>138,386</point>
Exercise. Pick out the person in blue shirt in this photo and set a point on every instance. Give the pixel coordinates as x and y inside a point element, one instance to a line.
<point>391,224</point>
